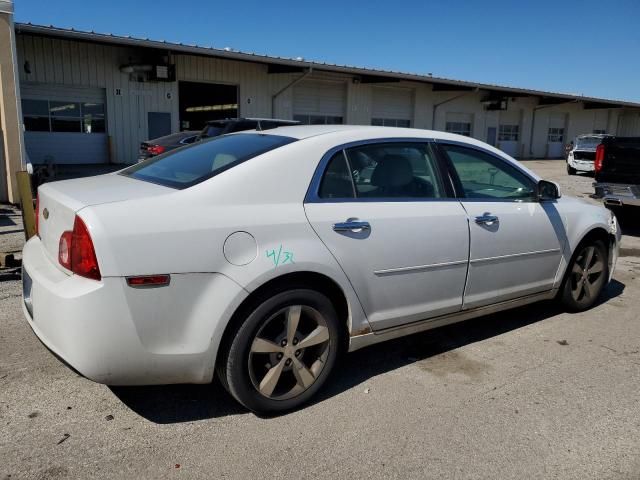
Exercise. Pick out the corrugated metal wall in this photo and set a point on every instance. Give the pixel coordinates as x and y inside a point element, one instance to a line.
<point>63,62</point>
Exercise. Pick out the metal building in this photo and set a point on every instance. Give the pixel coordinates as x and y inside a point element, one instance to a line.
<point>90,98</point>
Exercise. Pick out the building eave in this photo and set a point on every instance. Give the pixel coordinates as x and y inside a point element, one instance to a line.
<point>292,63</point>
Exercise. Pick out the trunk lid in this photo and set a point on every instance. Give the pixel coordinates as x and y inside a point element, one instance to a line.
<point>60,201</point>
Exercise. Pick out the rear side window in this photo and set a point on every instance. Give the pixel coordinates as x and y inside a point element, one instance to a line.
<point>188,166</point>
<point>337,181</point>
<point>382,171</point>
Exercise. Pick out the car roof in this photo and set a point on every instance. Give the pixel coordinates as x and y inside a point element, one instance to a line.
<point>342,134</point>
<point>300,132</point>
<point>252,119</point>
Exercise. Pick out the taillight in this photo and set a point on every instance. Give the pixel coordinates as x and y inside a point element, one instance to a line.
<point>38,215</point>
<point>76,252</point>
<point>64,249</point>
<point>599,161</point>
<point>155,149</point>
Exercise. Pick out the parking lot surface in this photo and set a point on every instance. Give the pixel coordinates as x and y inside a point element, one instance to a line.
<point>528,393</point>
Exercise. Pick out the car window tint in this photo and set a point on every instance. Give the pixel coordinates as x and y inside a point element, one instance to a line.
<point>395,170</point>
<point>336,181</point>
<point>195,163</point>
<point>484,176</point>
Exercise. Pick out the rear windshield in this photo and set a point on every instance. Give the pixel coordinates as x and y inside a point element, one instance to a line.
<point>588,142</point>
<point>188,166</point>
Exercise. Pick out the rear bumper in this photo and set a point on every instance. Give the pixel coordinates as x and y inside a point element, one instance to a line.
<point>581,165</point>
<point>618,195</point>
<point>118,335</point>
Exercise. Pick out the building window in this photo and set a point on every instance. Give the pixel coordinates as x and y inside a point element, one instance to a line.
<point>556,135</point>
<point>391,122</point>
<point>56,116</point>
<point>508,133</point>
<point>461,128</point>
<point>318,119</point>
<point>600,132</point>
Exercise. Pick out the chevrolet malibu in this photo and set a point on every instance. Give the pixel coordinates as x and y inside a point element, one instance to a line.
<point>259,257</point>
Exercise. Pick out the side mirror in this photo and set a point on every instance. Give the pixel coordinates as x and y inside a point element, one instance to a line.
<point>548,191</point>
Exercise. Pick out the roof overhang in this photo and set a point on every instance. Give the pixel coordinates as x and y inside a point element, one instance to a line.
<point>289,65</point>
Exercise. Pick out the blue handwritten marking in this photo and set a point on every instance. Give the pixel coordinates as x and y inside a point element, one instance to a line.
<point>277,258</point>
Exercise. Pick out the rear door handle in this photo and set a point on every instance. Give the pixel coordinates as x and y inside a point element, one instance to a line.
<point>350,226</point>
<point>487,219</point>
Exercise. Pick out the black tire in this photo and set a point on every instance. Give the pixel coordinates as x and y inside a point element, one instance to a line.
<point>237,363</point>
<point>571,170</point>
<point>580,289</point>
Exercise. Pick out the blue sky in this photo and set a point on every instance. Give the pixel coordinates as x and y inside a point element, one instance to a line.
<point>583,47</point>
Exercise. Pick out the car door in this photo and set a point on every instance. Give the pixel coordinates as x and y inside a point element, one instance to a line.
<point>516,240</point>
<point>387,216</point>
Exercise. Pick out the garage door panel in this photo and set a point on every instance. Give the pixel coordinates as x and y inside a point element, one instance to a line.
<point>319,98</point>
<point>66,148</point>
<point>392,103</point>
<point>78,110</point>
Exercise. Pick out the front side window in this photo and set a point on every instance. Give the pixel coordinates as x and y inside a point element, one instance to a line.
<point>460,128</point>
<point>484,176</point>
<point>383,171</point>
<point>193,164</point>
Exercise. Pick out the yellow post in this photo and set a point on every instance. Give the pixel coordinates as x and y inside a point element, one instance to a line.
<point>23,179</point>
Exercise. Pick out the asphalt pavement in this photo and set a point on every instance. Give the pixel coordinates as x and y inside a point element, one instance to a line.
<point>529,393</point>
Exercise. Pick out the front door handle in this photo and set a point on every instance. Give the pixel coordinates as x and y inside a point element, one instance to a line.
<point>487,219</point>
<point>351,226</point>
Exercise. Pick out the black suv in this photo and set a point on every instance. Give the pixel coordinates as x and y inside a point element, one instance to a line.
<point>215,128</point>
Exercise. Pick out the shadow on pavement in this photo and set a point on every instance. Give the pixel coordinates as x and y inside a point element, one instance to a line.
<point>186,403</point>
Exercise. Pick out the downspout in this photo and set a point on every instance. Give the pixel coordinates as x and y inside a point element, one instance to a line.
<point>287,87</point>
<point>533,120</point>
<point>455,97</point>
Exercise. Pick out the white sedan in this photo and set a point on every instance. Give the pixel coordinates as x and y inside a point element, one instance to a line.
<point>261,256</point>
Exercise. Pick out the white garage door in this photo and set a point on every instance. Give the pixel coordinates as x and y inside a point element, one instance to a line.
<point>64,125</point>
<point>600,121</point>
<point>509,132</point>
<point>629,125</point>
<point>460,123</point>
<point>392,107</point>
<point>556,135</point>
<point>319,102</point>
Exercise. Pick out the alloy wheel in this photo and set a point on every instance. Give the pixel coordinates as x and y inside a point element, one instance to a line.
<point>586,274</point>
<point>289,352</point>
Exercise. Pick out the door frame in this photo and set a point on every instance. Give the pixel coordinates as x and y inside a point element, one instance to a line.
<point>444,169</point>
<point>313,200</point>
<point>453,175</point>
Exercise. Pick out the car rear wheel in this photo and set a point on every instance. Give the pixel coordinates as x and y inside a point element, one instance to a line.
<point>283,352</point>
<point>586,277</point>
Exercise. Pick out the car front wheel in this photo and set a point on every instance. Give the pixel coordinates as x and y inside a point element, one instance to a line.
<point>586,277</point>
<point>571,170</point>
<point>283,352</point>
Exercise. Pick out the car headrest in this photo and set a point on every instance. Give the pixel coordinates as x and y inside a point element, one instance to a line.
<point>392,171</point>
